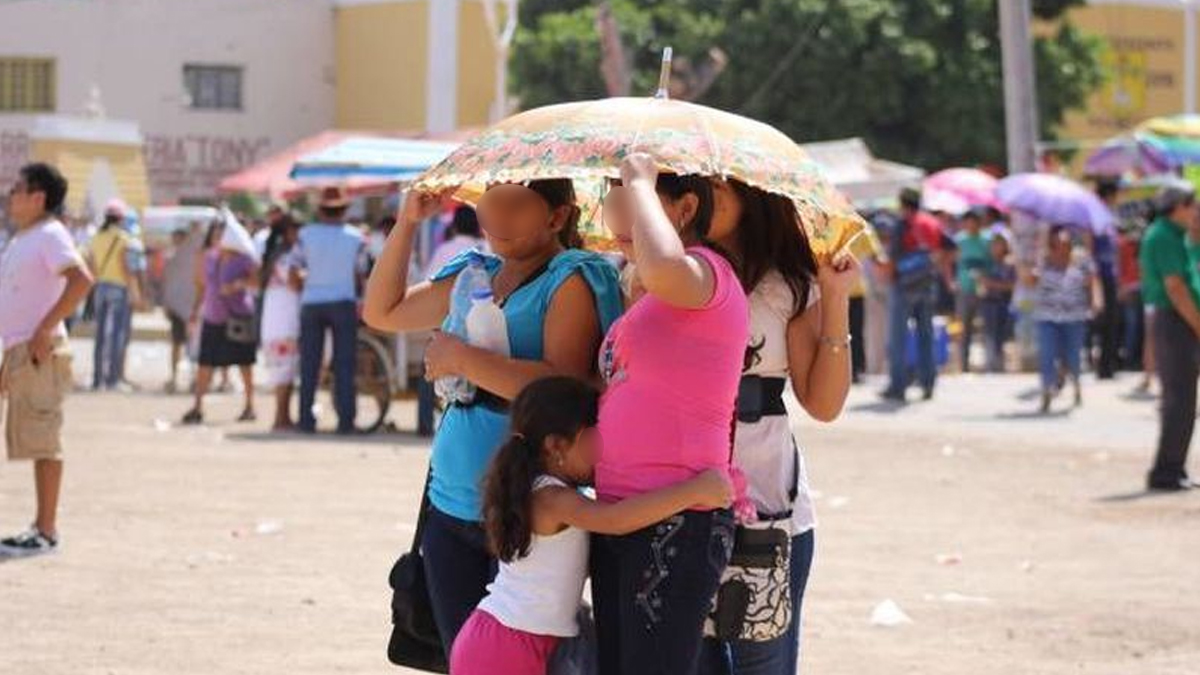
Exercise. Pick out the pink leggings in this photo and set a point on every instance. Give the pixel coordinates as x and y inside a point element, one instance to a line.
<point>485,646</point>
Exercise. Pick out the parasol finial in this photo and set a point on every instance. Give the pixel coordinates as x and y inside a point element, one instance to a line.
<point>664,75</point>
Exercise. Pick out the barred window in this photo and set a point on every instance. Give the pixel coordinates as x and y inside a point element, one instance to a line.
<point>26,84</point>
<point>213,87</point>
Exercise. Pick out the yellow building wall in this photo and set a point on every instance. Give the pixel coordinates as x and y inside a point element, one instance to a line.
<point>75,159</point>
<point>380,52</point>
<point>1144,60</point>
<point>476,65</point>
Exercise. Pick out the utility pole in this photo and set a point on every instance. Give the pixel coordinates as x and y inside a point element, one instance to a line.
<point>1021,127</point>
<point>1020,98</point>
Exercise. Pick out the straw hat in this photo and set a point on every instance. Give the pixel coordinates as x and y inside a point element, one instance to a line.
<point>333,197</point>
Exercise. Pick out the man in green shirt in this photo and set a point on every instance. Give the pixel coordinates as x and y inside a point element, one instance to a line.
<point>1171,285</point>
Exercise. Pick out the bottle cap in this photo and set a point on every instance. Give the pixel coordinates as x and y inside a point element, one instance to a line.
<point>482,294</point>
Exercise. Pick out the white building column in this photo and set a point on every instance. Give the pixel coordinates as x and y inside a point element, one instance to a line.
<point>441,80</point>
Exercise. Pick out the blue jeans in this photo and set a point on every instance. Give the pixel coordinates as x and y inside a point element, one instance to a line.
<point>780,656</point>
<point>900,309</point>
<point>458,568</point>
<point>652,590</point>
<point>112,308</point>
<point>1059,343</point>
<point>342,319</point>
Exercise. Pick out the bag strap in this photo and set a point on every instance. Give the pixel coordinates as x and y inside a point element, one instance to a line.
<point>795,489</point>
<point>422,515</point>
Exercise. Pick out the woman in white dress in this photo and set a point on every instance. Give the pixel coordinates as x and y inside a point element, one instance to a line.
<point>281,320</point>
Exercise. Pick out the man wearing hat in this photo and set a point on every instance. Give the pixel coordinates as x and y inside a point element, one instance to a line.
<point>1171,285</point>
<point>331,262</point>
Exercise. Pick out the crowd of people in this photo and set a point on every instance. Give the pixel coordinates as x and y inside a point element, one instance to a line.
<point>941,282</point>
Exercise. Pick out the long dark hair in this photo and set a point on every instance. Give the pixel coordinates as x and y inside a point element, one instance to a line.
<point>770,238</point>
<point>275,246</point>
<point>548,408</point>
<point>561,192</point>
<point>675,186</point>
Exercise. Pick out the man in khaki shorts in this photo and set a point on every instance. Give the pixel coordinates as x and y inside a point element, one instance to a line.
<point>42,281</point>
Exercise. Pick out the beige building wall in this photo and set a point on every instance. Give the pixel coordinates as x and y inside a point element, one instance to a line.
<point>1145,60</point>
<point>387,77</point>
<point>381,65</point>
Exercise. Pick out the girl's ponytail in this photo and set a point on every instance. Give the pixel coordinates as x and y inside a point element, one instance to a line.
<point>507,497</point>
<point>549,408</point>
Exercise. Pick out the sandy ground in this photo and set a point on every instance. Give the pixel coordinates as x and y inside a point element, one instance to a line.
<point>225,549</point>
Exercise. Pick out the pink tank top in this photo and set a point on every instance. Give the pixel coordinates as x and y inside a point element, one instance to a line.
<point>672,378</point>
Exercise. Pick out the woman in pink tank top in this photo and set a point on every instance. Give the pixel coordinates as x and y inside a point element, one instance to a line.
<point>672,366</point>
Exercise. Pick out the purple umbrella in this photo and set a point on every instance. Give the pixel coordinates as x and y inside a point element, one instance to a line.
<point>1056,200</point>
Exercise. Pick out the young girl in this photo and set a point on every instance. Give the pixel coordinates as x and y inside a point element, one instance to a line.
<point>537,524</point>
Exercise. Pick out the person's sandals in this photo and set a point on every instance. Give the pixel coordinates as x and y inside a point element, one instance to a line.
<point>193,416</point>
<point>247,416</point>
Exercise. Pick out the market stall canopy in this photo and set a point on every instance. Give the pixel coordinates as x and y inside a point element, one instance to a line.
<point>273,176</point>
<point>371,158</point>
<point>867,180</point>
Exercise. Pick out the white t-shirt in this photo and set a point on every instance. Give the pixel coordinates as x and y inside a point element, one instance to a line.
<point>31,279</point>
<point>541,592</point>
<point>765,450</point>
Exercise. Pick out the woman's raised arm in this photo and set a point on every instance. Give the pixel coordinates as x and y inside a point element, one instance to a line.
<point>389,304</point>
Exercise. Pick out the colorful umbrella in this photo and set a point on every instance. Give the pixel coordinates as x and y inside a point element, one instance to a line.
<point>1158,145</point>
<point>957,190</point>
<point>1137,153</point>
<point>587,140</point>
<point>1055,200</point>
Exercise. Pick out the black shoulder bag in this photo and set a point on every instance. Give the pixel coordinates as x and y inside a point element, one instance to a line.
<point>415,641</point>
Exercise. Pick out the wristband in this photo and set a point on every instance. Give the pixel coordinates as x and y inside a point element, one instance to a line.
<point>835,345</point>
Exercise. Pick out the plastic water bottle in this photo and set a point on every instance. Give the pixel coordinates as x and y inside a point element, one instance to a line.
<point>474,277</point>
<point>486,326</point>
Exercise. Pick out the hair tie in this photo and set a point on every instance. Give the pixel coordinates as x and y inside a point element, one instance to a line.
<point>518,436</point>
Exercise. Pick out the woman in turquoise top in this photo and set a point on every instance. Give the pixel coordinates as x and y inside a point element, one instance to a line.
<point>559,301</point>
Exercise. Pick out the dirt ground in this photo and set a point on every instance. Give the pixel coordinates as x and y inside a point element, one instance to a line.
<point>1014,543</point>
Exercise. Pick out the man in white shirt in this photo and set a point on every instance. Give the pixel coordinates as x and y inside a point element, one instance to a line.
<point>42,281</point>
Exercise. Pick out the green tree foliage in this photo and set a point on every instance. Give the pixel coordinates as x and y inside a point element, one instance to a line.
<point>921,80</point>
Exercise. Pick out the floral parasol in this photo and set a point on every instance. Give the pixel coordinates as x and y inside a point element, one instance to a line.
<point>587,140</point>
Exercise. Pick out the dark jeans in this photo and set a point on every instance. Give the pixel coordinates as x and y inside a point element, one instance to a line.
<point>652,590</point>
<point>342,319</point>
<point>1107,331</point>
<point>1134,321</point>
<point>900,309</point>
<point>1178,353</point>
<point>780,656</point>
<point>458,569</point>
<point>112,334</point>
<point>858,345</point>
<point>997,327</point>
